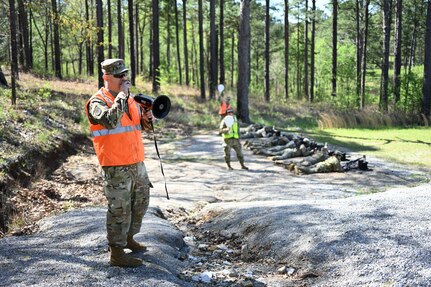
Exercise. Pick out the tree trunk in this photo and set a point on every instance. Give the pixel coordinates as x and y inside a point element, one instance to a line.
<point>221,49</point>
<point>186,55</point>
<point>201,51</point>
<point>132,42</point>
<point>120,31</point>
<point>412,50</point>
<point>168,41</point>
<point>359,47</point>
<point>243,62</point>
<point>397,52</point>
<point>267,23</point>
<point>109,30</point>
<point>177,25</point>
<point>426,88</point>
<point>13,50</point>
<point>213,51</point>
<point>334,46</point>
<point>156,47</point>
<point>312,50</point>
<point>387,8</point>
<point>136,31</point>
<point>89,59</point>
<point>286,49</point>
<point>306,92</point>
<point>232,60</point>
<point>57,60</point>
<point>100,50</point>
<point>24,25</point>
<point>364,53</point>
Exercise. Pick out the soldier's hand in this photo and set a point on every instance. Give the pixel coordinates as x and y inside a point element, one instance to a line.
<point>125,86</point>
<point>148,115</point>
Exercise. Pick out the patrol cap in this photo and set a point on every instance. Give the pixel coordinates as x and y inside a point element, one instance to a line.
<point>113,67</point>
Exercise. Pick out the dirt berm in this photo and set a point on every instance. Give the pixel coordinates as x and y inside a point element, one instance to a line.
<point>261,227</point>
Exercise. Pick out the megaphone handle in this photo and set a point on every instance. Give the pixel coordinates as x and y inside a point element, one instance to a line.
<point>160,160</point>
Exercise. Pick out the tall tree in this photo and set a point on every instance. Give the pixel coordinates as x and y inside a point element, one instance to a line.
<point>286,49</point>
<point>100,50</point>
<point>132,43</point>
<point>312,49</point>
<point>384,81</point>
<point>136,31</point>
<point>426,88</point>
<point>156,47</point>
<point>13,50</point>
<point>364,53</point>
<point>397,51</point>
<point>109,30</point>
<point>88,52</point>
<point>213,51</point>
<point>359,47</point>
<point>25,37</point>
<point>57,52</point>
<point>186,53</point>
<point>267,60</point>
<point>334,46</point>
<point>177,33</point>
<point>120,30</point>
<point>243,62</point>
<point>306,85</point>
<point>221,49</point>
<point>201,51</point>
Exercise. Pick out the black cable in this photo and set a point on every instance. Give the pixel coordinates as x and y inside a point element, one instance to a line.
<point>160,160</point>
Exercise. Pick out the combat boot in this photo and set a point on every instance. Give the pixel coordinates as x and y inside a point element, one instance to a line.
<point>119,258</point>
<point>243,166</point>
<point>133,245</point>
<point>228,166</point>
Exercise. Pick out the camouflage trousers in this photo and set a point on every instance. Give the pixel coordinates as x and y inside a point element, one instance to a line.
<point>236,146</point>
<point>127,189</point>
<point>332,164</point>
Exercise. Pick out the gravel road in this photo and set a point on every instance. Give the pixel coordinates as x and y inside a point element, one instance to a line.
<point>341,229</point>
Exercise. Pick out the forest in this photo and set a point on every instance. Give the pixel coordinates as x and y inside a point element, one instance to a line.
<point>350,54</point>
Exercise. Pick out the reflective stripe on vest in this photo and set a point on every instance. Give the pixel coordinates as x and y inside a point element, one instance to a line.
<point>117,130</point>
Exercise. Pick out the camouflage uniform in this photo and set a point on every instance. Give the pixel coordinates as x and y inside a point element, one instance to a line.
<point>296,152</point>
<point>332,164</point>
<point>127,188</point>
<point>231,141</point>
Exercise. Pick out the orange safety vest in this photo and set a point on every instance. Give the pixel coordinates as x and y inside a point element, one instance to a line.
<point>223,108</point>
<point>121,145</point>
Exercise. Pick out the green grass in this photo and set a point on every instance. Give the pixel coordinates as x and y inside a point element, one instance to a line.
<point>410,146</point>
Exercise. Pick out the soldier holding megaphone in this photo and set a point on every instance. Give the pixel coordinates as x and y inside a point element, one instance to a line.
<point>116,124</point>
<point>229,129</point>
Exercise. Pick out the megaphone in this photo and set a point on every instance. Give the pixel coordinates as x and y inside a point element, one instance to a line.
<point>160,106</point>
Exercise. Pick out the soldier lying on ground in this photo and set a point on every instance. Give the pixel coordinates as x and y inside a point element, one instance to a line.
<point>332,164</point>
<point>296,152</point>
<point>316,157</point>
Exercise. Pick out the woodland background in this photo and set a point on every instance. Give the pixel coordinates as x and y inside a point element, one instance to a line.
<point>353,55</point>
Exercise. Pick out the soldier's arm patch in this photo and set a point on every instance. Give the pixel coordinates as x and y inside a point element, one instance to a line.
<point>97,112</point>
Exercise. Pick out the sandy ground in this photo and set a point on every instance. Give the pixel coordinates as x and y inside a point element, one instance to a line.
<point>262,227</point>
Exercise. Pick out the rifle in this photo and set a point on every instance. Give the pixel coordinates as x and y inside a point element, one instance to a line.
<point>362,164</point>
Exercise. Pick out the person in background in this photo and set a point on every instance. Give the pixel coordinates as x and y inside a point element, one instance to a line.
<point>231,139</point>
<point>224,106</point>
<point>116,124</point>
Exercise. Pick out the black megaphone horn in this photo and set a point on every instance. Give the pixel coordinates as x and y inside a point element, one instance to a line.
<point>160,106</point>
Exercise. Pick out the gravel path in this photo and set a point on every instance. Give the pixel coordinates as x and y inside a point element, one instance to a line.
<point>328,230</point>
